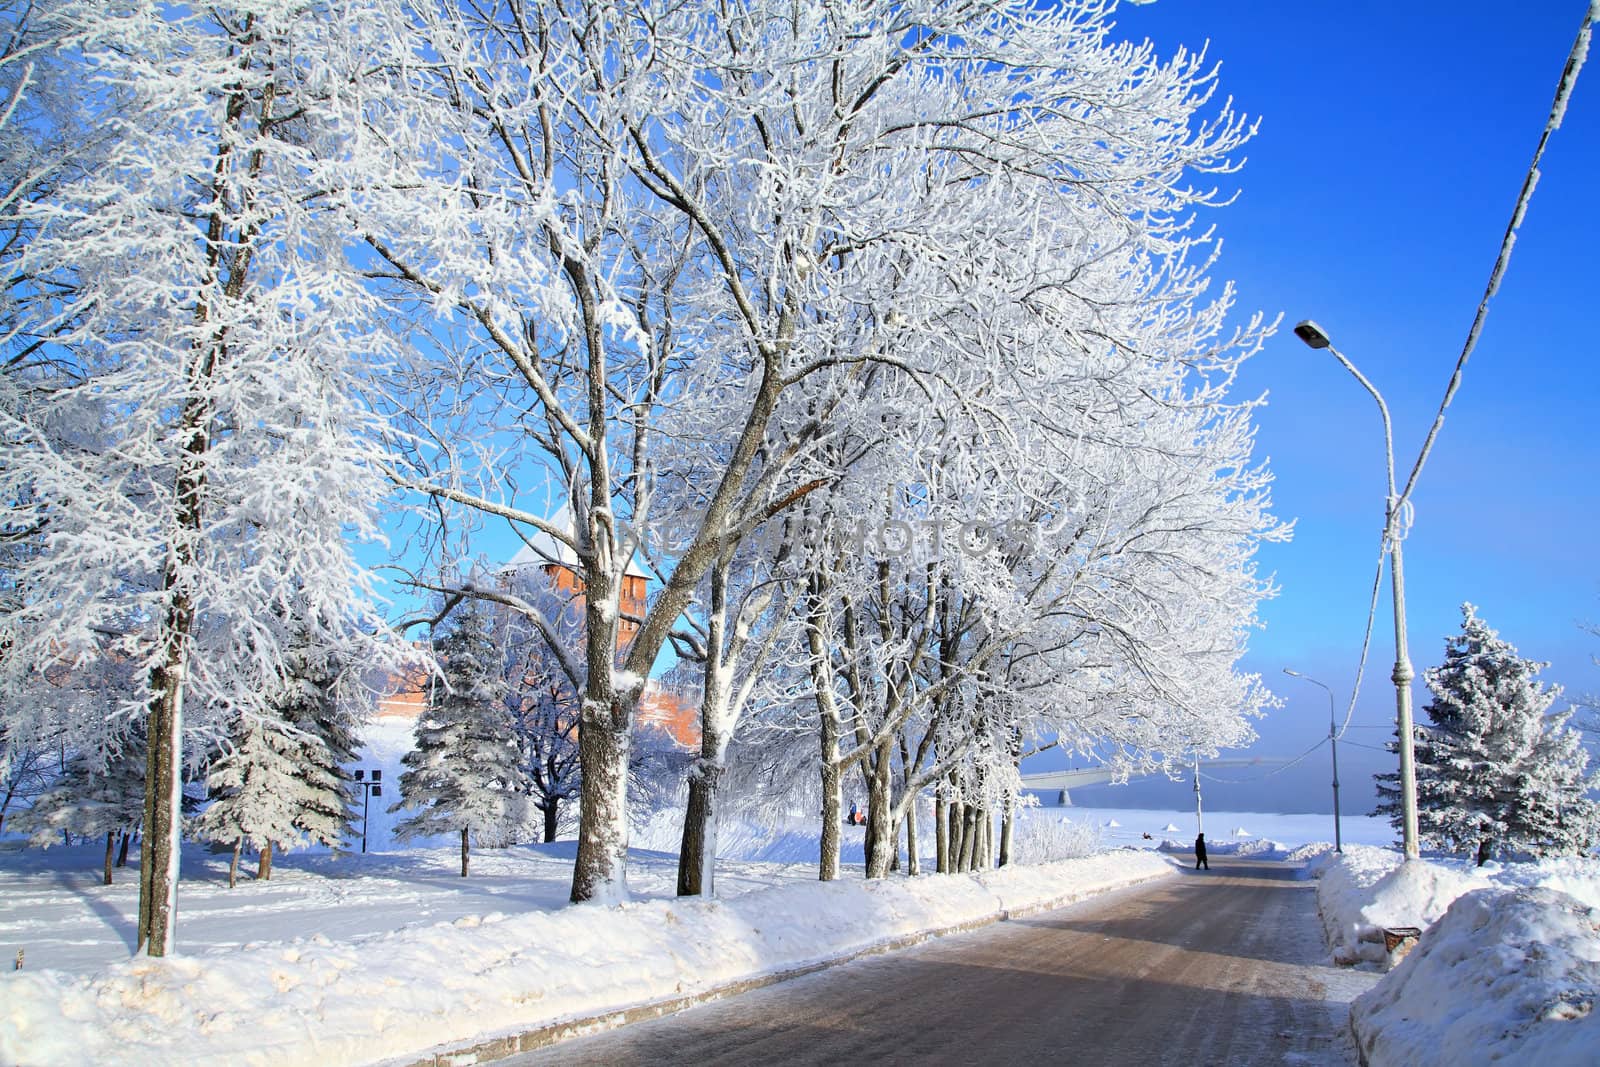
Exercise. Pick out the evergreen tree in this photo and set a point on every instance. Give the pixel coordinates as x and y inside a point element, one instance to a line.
<point>325,808</point>
<point>254,785</point>
<point>99,792</point>
<point>1495,770</point>
<point>465,775</point>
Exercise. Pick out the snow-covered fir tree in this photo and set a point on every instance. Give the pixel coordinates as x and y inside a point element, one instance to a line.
<point>1496,769</point>
<point>98,792</point>
<point>465,774</point>
<point>254,785</point>
<point>312,704</point>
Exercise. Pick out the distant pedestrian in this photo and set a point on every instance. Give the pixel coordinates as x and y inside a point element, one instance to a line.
<point>853,815</point>
<point>1200,853</point>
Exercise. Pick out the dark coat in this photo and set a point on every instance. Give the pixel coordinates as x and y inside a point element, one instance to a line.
<point>1200,847</point>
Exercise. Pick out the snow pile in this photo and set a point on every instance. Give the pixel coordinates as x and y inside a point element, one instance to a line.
<point>1312,851</point>
<point>1367,889</point>
<point>323,1002</point>
<point>1261,848</point>
<point>1416,894</point>
<point>1503,977</point>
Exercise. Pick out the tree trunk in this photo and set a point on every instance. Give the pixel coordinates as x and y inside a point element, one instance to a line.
<point>697,853</point>
<point>941,833</point>
<point>464,853</point>
<point>158,853</point>
<point>264,865</point>
<point>952,837</point>
<point>601,867</point>
<point>1007,830</point>
<point>122,850</point>
<point>969,838</point>
<point>832,801</point>
<point>111,848</point>
<point>1485,851</point>
<point>880,822</point>
<point>913,868</point>
<point>233,864</point>
<point>551,811</point>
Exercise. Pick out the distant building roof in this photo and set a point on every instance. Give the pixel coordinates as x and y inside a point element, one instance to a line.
<point>542,550</point>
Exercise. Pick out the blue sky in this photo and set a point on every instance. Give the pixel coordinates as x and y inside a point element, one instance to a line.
<point>1394,139</point>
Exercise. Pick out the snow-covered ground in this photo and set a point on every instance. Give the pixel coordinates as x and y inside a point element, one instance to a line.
<point>374,996</point>
<point>1507,969</point>
<point>54,908</point>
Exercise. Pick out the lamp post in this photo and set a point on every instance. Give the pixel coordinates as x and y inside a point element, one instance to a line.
<point>370,787</point>
<point>1333,746</point>
<point>1315,337</point>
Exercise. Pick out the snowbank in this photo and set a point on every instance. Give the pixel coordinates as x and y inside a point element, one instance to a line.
<point>1367,889</point>
<point>398,995</point>
<point>1503,977</point>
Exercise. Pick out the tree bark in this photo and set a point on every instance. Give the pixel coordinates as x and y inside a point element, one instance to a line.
<point>233,864</point>
<point>1485,851</point>
<point>1007,830</point>
<point>111,847</point>
<point>122,850</point>
<point>264,865</point>
<point>697,852</point>
<point>941,833</point>
<point>832,800</point>
<point>601,866</point>
<point>880,821</point>
<point>969,838</point>
<point>828,715</point>
<point>464,853</point>
<point>551,812</point>
<point>913,867</point>
<point>158,854</point>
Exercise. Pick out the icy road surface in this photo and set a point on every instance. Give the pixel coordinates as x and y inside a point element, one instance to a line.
<point>1218,967</point>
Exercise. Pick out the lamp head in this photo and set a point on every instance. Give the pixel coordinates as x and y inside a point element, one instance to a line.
<point>1291,671</point>
<point>1313,335</point>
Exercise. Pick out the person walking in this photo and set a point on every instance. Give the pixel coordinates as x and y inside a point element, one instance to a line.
<point>1200,853</point>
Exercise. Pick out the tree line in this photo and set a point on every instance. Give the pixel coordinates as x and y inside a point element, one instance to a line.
<point>289,282</point>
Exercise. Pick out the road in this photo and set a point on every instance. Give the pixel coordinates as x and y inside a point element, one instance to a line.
<point>1218,967</point>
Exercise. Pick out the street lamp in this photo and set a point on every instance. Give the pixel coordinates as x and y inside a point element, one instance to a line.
<point>370,787</point>
<point>1315,337</point>
<point>1333,746</point>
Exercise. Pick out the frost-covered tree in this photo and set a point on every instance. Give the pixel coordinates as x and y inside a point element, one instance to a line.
<point>322,699</point>
<point>465,774</point>
<point>187,433</point>
<point>97,792</point>
<point>279,781</point>
<point>254,785</point>
<point>1495,769</point>
<point>661,226</point>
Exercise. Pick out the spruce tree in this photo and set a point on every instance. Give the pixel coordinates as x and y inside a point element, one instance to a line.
<point>1494,769</point>
<point>254,785</point>
<point>464,776</point>
<point>325,807</point>
<point>98,792</point>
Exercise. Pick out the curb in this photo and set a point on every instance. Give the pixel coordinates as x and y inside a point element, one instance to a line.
<point>496,1048</point>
